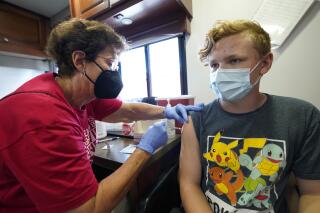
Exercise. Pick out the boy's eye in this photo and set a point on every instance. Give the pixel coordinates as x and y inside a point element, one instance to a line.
<point>235,61</point>
<point>214,66</point>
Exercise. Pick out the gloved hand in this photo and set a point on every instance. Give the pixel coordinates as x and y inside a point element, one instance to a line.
<point>180,112</point>
<point>155,137</point>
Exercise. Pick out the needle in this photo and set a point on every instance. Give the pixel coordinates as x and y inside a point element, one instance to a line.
<point>177,128</point>
<point>109,139</point>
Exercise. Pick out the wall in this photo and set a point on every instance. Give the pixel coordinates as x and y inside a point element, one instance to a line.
<point>15,71</point>
<point>60,16</point>
<point>296,69</point>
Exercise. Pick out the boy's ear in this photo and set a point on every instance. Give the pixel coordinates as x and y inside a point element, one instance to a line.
<point>267,63</point>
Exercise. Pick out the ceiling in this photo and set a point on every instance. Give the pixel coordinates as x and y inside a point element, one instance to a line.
<point>46,8</point>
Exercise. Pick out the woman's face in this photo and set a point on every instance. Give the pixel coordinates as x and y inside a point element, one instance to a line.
<point>107,59</point>
<point>102,73</point>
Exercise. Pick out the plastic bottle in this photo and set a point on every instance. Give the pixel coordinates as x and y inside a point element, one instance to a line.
<point>170,124</point>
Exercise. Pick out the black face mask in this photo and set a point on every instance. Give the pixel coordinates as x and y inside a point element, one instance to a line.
<point>108,84</point>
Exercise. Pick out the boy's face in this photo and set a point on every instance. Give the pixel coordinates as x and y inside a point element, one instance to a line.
<point>235,51</point>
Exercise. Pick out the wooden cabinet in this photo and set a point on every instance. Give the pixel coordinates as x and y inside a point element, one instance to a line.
<point>22,31</point>
<point>93,8</point>
<point>150,18</point>
<point>87,8</point>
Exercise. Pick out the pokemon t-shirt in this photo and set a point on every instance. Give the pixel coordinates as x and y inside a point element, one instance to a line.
<point>247,158</point>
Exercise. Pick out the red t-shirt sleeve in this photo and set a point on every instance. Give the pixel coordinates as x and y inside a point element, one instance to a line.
<point>52,167</point>
<point>104,107</point>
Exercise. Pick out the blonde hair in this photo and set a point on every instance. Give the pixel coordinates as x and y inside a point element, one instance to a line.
<point>222,29</point>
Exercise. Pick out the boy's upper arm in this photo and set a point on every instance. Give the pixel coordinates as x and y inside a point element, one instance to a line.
<point>189,165</point>
<point>309,195</point>
<point>308,187</point>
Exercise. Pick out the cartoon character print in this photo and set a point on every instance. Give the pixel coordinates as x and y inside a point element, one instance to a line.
<point>262,199</point>
<point>267,162</point>
<point>223,184</point>
<point>222,154</point>
<point>252,189</point>
<point>259,200</point>
<point>245,179</point>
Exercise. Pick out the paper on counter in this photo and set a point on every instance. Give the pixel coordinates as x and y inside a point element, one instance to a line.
<point>129,149</point>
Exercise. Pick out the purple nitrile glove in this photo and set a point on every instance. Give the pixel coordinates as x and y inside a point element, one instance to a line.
<point>155,137</point>
<point>180,112</point>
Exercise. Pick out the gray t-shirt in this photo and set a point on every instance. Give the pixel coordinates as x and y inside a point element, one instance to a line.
<point>246,158</point>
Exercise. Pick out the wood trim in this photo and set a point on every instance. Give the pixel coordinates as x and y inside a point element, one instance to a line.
<point>90,12</point>
<point>186,5</point>
<point>113,3</point>
<point>74,8</point>
<point>21,49</point>
<point>173,27</point>
<point>95,11</point>
<point>86,5</point>
<point>118,7</point>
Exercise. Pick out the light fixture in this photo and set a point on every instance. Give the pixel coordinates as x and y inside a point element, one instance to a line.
<point>118,16</point>
<point>126,21</point>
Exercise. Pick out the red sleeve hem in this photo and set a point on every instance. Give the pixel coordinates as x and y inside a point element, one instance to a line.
<point>104,107</point>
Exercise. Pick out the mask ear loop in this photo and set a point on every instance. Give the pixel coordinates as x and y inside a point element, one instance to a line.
<point>255,66</point>
<point>98,66</point>
<point>85,74</point>
<point>258,63</point>
<point>253,69</point>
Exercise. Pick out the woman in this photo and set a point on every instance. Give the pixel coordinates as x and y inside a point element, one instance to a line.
<point>48,126</point>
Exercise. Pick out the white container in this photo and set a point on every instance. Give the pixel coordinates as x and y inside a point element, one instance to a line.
<point>140,127</point>
<point>170,124</point>
<point>171,128</point>
<point>101,129</point>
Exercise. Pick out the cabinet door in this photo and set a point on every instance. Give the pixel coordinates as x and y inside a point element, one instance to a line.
<point>87,8</point>
<point>22,31</point>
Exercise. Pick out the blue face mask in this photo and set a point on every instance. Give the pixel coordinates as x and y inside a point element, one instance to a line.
<point>232,84</point>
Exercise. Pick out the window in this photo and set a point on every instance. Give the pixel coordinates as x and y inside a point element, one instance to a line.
<point>165,68</point>
<point>133,72</point>
<point>157,69</point>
